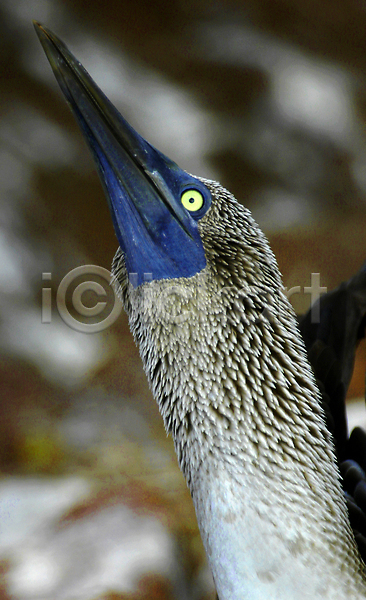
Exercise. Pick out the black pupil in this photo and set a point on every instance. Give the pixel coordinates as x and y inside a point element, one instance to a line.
<point>191,200</point>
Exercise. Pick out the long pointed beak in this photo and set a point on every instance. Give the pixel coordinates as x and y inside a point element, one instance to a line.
<point>144,188</point>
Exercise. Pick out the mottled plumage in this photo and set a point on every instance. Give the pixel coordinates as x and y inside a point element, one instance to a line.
<point>228,368</point>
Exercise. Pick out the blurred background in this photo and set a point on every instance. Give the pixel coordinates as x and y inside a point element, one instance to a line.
<point>266,96</point>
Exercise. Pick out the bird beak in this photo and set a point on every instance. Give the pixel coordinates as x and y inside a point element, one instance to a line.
<point>158,236</point>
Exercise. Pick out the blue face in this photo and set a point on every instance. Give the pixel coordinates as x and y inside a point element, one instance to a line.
<point>155,205</point>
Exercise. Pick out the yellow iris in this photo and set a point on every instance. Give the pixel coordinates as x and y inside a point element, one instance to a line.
<point>192,200</point>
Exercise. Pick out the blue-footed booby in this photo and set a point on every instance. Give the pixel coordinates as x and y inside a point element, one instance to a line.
<point>228,367</point>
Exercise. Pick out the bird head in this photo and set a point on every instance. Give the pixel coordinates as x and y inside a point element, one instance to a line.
<point>193,269</point>
<point>170,225</point>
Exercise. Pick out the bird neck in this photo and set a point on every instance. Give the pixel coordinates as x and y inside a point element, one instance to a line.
<point>229,371</point>
<point>237,393</point>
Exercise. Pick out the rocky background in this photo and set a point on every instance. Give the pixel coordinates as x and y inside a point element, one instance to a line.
<point>266,96</point>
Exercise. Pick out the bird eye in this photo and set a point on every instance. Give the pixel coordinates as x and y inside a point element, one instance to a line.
<point>192,200</point>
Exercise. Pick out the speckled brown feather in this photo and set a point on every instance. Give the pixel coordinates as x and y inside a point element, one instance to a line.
<point>229,371</point>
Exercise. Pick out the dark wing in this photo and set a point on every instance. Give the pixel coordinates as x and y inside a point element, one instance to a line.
<point>331,331</point>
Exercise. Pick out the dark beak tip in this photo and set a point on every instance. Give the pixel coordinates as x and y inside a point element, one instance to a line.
<point>38,27</point>
<point>42,33</point>
<point>46,35</point>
